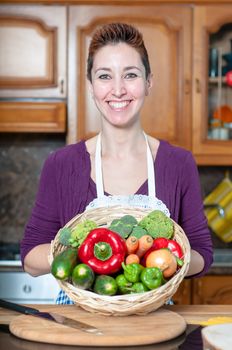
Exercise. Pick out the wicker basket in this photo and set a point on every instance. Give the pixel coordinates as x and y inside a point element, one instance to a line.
<point>122,305</point>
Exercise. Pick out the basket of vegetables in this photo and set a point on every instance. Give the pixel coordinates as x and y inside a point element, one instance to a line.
<point>120,261</point>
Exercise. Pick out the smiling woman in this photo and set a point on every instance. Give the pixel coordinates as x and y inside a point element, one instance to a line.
<point>119,84</point>
<point>119,73</point>
<point>120,164</point>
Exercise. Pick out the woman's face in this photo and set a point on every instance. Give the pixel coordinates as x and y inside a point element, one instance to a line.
<point>119,84</point>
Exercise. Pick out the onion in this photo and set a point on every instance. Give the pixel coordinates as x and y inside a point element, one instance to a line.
<point>163,259</point>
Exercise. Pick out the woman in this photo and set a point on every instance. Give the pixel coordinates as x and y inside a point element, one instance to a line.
<point>120,161</point>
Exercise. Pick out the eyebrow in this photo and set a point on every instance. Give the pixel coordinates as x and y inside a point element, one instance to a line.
<point>132,67</point>
<point>125,69</point>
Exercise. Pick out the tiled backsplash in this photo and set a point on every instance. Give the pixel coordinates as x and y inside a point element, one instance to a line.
<point>21,160</point>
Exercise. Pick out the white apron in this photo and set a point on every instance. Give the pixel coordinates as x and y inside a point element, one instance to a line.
<point>136,200</point>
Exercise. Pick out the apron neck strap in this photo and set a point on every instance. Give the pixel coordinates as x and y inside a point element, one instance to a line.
<point>98,169</point>
<point>150,170</point>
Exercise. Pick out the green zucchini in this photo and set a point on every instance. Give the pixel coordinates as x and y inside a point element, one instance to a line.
<point>64,263</point>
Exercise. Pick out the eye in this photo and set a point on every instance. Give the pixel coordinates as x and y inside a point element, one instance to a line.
<point>104,76</point>
<point>131,75</point>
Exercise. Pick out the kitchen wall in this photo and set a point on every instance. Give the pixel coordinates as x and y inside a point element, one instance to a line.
<point>21,160</point>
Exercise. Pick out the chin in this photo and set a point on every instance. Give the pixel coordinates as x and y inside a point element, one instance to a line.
<point>123,122</point>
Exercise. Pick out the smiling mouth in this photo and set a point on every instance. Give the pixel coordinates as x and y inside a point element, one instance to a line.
<point>118,105</point>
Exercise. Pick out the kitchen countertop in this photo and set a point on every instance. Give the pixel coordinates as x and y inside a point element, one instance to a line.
<point>191,339</point>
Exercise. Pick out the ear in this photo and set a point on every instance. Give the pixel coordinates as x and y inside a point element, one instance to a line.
<point>149,84</point>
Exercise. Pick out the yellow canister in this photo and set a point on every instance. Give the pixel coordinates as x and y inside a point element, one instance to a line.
<point>220,197</point>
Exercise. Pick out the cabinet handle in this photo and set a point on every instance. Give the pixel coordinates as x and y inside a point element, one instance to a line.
<point>61,86</point>
<point>187,87</point>
<point>198,86</point>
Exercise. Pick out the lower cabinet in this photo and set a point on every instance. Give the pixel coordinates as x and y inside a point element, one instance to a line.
<point>183,294</point>
<point>210,289</point>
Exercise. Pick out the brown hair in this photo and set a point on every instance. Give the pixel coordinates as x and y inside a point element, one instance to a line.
<point>115,33</point>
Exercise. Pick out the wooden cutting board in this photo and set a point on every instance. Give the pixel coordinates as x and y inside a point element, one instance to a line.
<point>156,327</point>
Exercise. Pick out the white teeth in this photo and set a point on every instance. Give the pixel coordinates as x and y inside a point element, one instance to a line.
<point>118,104</point>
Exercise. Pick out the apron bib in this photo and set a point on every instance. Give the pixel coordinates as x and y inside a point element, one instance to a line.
<point>135,200</point>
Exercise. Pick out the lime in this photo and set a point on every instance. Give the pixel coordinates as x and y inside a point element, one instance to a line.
<point>83,276</point>
<point>105,285</point>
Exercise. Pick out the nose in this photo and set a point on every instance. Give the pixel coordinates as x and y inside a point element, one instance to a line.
<point>118,88</point>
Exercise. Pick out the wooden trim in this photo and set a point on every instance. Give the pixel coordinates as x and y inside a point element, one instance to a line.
<point>32,117</point>
<point>213,159</point>
<point>50,80</point>
<point>117,2</point>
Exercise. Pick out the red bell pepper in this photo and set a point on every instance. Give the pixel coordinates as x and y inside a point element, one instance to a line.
<point>162,242</point>
<point>103,250</point>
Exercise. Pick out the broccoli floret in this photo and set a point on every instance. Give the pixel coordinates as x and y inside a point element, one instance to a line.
<point>138,232</point>
<point>124,225</point>
<point>123,229</point>
<point>157,224</point>
<point>80,232</point>
<point>64,236</point>
<point>129,219</point>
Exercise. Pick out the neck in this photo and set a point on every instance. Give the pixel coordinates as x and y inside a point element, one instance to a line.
<point>121,142</point>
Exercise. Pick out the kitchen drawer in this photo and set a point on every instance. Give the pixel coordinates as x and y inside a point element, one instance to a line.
<point>23,288</point>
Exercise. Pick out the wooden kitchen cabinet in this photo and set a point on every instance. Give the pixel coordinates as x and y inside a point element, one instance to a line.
<point>208,20</point>
<point>167,31</point>
<point>210,289</point>
<point>177,36</point>
<point>33,51</point>
<point>215,289</point>
<point>184,293</point>
<point>32,117</point>
<point>33,70</point>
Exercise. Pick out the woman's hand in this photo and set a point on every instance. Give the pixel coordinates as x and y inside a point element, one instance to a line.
<point>196,263</point>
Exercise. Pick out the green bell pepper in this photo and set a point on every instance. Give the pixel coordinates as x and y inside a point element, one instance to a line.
<point>151,277</point>
<point>124,286</point>
<point>132,272</point>
<point>139,287</point>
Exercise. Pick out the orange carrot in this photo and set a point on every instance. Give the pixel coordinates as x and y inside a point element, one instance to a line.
<point>132,244</point>
<point>132,259</point>
<point>145,243</point>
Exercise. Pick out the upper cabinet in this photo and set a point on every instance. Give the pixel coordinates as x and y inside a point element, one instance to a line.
<point>212,90</point>
<point>167,32</point>
<point>33,73</point>
<point>33,51</point>
<point>44,54</point>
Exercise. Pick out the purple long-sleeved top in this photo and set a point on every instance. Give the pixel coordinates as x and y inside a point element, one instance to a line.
<point>66,188</point>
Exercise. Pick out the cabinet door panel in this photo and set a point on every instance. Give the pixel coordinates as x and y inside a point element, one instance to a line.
<point>212,290</point>
<point>33,51</point>
<point>208,20</point>
<point>167,35</point>
<point>21,38</point>
<point>183,294</point>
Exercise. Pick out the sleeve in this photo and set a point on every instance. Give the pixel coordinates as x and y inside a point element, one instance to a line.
<point>192,218</point>
<point>44,221</point>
